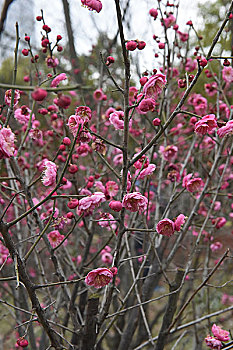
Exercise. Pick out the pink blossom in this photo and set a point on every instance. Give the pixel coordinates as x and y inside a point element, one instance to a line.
<point>98,95</point>
<point>169,153</point>
<point>142,162</point>
<point>107,221</point>
<point>183,36</point>
<point>23,114</point>
<point>219,222</point>
<point>215,246</point>
<point>206,124</point>
<point>135,201</point>
<point>107,258</point>
<point>169,21</point>
<point>87,205</point>
<point>193,185</point>
<point>115,205</point>
<point>99,186</point>
<point>146,171</point>
<point>49,174</point>
<point>226,130</point>
<point>55,238</point>
<point>154,86</point>
<point>83,149</point>
<point>58,79</point>
<point>199,102</point>
<point>8,97</point>
<point>62,101</point>
<point>146,105</point>
<point>92,5</point>
<point>165,227</point>
<point>154,13</point>
<point>190,65</point>
<point>111,188</point>
<point>99,278</point>
<point>180,220</point>
<point>220,333</point>
<point>211,89</point>
<point>7,146</point>
<point>227,74</point>
<point>117,120</point>
<point>213,343</point>
<point>4,253</point>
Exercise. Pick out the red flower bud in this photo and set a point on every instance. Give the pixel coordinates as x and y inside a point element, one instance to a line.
<point>131,45</point>
<point>25,52</point>
<point>39,94</point>
<point>115,205</point>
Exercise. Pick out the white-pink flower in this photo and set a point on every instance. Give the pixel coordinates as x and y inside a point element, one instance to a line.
<point>226,130</point>
<point>154,86</point>
<point>146,171</point>
<point>87,205</point>
<point>227,74</point>
<point>23,114</point>
<point>7,146</point>
<point>49,173</point>
<point>135,201</point>
<point>8,97</point>
<point>117,120</point>
<point>58,79</point>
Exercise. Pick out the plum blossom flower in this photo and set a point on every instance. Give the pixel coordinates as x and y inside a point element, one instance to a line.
<point>92,5</point>
<point>23,115</point>
<point>154,86</point>
<point>215,246</point>
<point>190,65</point>
<point>49,174</point>
<point>8,97</point>
<point>220,333</point>
<point>213,343</point>
<point>98,95</point>
<point>146,105</point>
<point>117,120</point>
<point>169,21</point>
<point>226,130</point>
<point>7,146</point>
<point>135,201</point>
<point>169,153</point>
<point>99,278</point>
<point>87,205</point>
<point>111,188</point>
<point>107,221</point>
<point>81,117</point>
<point>142,162</point>
<point>145,172</point>
<point>192,184</point>
<point>166,227</point>
<point>55,238</point>
<point>227,74</point>
<point>180,220</point>
<point>206,124</point>
<point>58,79</point>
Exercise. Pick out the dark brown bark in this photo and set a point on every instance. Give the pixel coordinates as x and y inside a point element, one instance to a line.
<point>5,9</point>
<point>73,53</point>
<point>89,333</point>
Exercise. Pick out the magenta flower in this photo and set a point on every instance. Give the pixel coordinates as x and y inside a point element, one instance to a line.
<point>58,79</point>
<point>165,227</point>
<point>7,146</point>
<point>83,113</point>
<point>8,97</point>
<point>99,278</point>
<point>135,201</point>
<point>146,105</point>
<point>226,130</point>
<point>206,124</point>
<point>179,222</point>
<point>169,21</point>
<point>146,171</point>
<point>98,95</point>
<point>55,238</point>
<point>87,205</point>
<point>213,343</point>
<point>169,153</point>
<point>23,114</point>
<point>92,5</point>
<point>215,246</point>
<point>49,174</point>
<point>220,333</point>
<point>112,188</point>
<point>154,86</point>
<point>117,120</point>
<point>192,185</point>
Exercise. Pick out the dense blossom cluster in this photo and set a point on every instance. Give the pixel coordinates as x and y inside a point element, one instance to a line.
<point>133,183</point>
